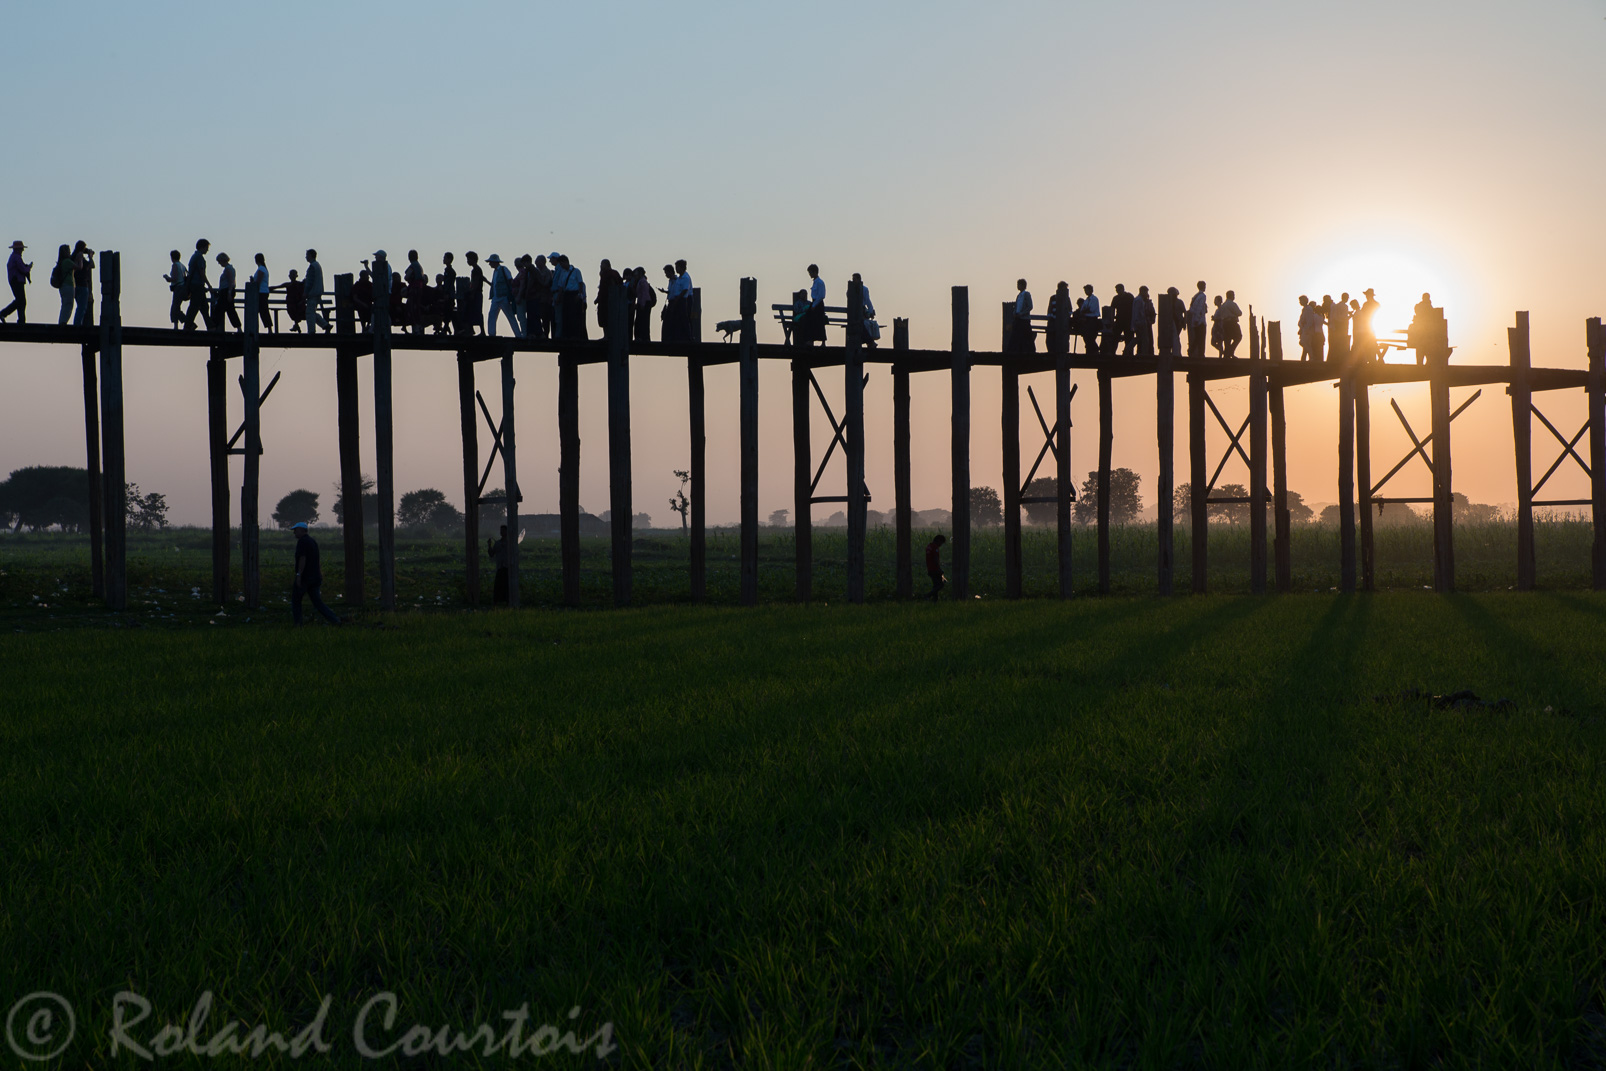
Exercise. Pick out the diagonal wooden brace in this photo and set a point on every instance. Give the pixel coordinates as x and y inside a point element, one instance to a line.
<point>1418,446</point>
<point>1049,439</point>
<point>241,429</point>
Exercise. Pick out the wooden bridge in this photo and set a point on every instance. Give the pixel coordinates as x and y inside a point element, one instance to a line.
<point>1268,375</point>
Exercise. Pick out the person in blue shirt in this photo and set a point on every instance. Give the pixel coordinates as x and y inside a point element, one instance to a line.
<point>309,576</point>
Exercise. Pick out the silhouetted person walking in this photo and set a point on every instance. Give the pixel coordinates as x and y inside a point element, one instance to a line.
<point>644,298</point>
<point>259,283</point>
<point>934,566</point>
<point>572,297</point>
<point>1198,321</point>
<point>449,314</point>
<point>677,303</point>
<point>606,278</point>
<point>1365,344</point>
<point>1121,304</point>
<point>1090,319</point>
<point>497,549</point>
<point>417,292</point>
<point>83,274</point>
<point>61,279</point>
<point>1055,339</point>
<point>195,279</point>
<point>1143,317</point>
<point>1174,316</point>
<point>1021,339</point>
<point>223,297</point>
<point>501,297</point>
<point>18,276</point>
<point>1231,332</point>
<point>312,289</point>
<point>475,313</point>
<point>1338,347</point>
<point>815,317</point>
<point>308,576</point>
<point>541,299</point>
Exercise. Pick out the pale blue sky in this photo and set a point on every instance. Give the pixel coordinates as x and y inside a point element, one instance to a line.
<point>1260,146</point>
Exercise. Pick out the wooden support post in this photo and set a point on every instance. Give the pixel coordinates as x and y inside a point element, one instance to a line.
<point>1443,502</point>
<point>694,314</point>
<point>748,364</point>
<point>510,474</point>
<point>217,417</point>
<point>251,493</point>
<point>1282,544</point>
<point>384,443</point>
<point>1522,438</point>
<point>349,423</point>
<point>1165,441</point>
<point>569,474</point>
<point>97,562</point>
<point>1346,482</point>
<point>1363,476</point>
<point>1595,338</point>
<point>802,477</point>
<point>113,466</point>
<point>1063,485</point>
<point>900,461</point>
<point>1106,440</point>
<point>1010,429</point>
<point>961,441</point>
<point>853,428</point>
<point>1257,467</point>
<point>1198,492</point>
<point>471,478</point>
<point>620,498</point>
<point>698,535</point>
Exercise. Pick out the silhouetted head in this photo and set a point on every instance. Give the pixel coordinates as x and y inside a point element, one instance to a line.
<point>1144,291</point>
<point>669,271</point>
<point>203,245</point>
<point>261,260</point>
<point>1020,284</point>
<point>1344,296</point>
<point>1303,300</point>
<point>1355,306</point>
<point>856,278</point>
<point>1218,301</point>
<point>1230,295</point>
<point>175,255</point>
<point>472,257</point>
<point>446,258</point>
<point>312,255</point>
<point>223,258</point>
<point>680,266</point>
<point>80,247</point>
<point>66,251</point>
<point>293,275</point>
<point>1172,291</point>
<point>1367,292</point>
<point>1201,286</point>
<point>564,260</point>
<point>606,265</point>
<point>412,255</point>
<point>540,260</point>
<point>1087,288</point>
<point>940,540</point>
<point>814,271</point>
<point>1427,299</point>
<point>1063,287</point>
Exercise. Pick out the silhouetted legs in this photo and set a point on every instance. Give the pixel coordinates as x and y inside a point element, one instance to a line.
<point>296,593</point>
<point>19,304</point>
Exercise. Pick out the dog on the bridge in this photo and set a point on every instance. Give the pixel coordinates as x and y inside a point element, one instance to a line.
<point>728,328</point>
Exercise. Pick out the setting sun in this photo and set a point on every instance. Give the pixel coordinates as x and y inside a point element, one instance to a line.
<point>1398,279</point>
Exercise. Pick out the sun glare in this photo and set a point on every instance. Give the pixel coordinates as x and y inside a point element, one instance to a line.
<point>1398,279</point>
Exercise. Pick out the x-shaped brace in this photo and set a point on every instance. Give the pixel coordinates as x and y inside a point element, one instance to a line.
<point>1418,446</point>
<point>496,448</point>
<point>838,435</point>
<point>1567,448</point>
<point>1233,445</point>
<point>1050,437</point>
<point>241,429</point>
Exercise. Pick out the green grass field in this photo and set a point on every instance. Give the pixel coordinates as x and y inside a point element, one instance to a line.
<point>1120,832</point>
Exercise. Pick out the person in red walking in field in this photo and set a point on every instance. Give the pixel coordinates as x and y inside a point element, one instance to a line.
<point>934,565</point>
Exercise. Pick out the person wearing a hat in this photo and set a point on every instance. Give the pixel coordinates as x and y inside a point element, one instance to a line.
<point>19,275</point>
<point>501,297</point>
<point>309,576</point>
<point>1365,330</point>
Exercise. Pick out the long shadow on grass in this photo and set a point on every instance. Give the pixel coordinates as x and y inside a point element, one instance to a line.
<point>1520,656</point>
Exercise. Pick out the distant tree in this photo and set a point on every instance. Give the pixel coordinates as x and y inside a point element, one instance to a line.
<point>1464,512</point>
<point>1230,512</point>
<point>1331,515</point>
<point>985,508</point>
<point>1125,502</point>
<point>678,501</point>
<point>370,503</point>
<point>778,518</point>
<point>642,521</point>
<point>298,506</point>
<point>1182,502</point>
<point>1043,512</point>
<point>40,496</point>
<point>1298,512</point>
<point>145,513</point>
<point>427,508</point>
<point>835,520</point>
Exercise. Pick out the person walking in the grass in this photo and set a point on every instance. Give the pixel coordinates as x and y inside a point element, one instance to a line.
<point>934,565</point>
<point>308,576</point>
<point>497,549</point>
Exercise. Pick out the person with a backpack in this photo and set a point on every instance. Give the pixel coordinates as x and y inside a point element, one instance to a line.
<point>61,279</point>
<point>18,275</point>
<point>645,296</point>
